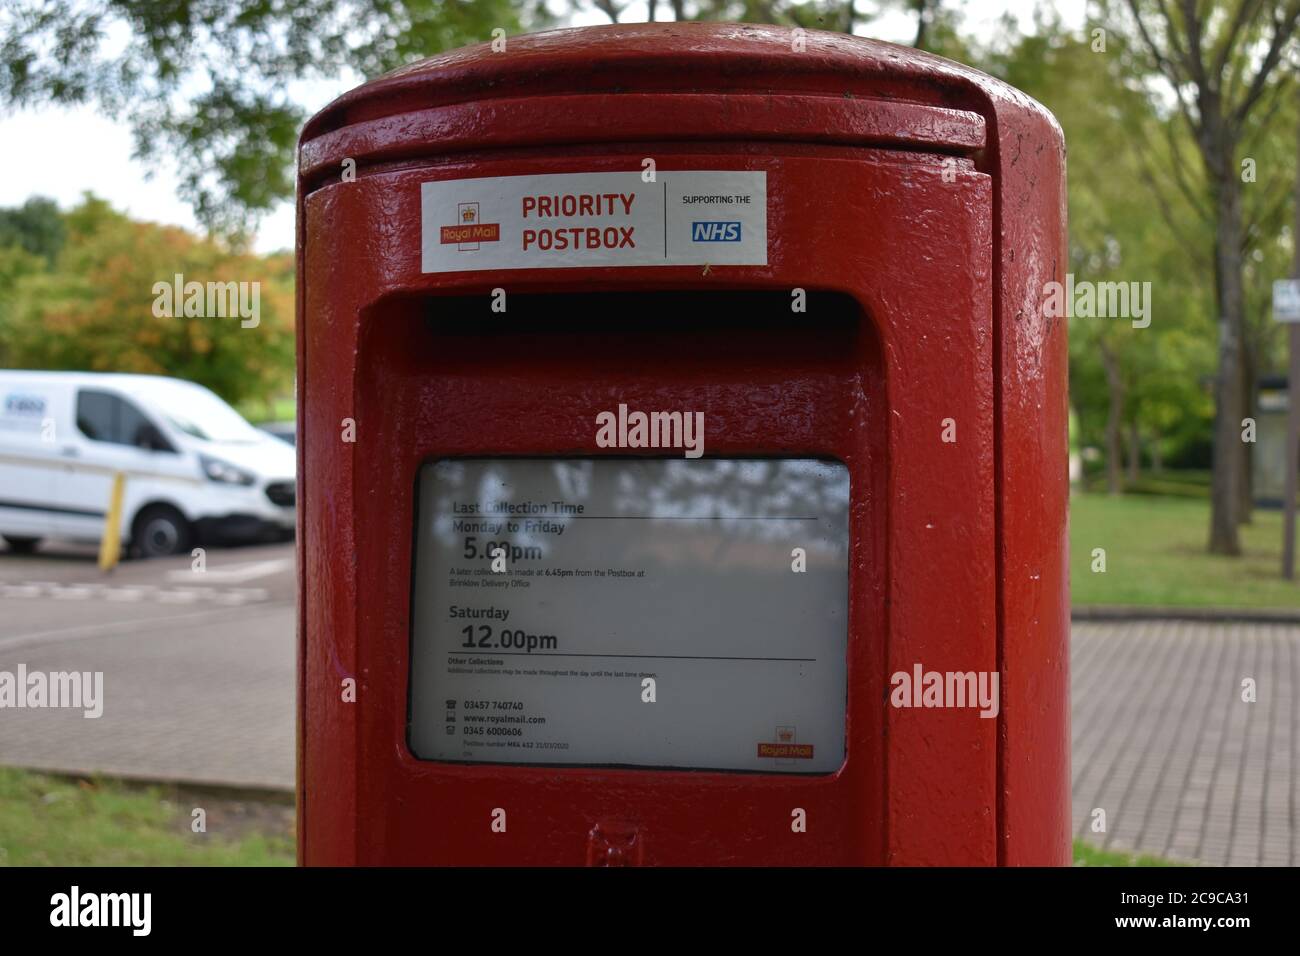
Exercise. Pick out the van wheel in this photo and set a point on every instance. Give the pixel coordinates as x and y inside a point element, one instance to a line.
<point>21,545</point>
<point>159,531</point>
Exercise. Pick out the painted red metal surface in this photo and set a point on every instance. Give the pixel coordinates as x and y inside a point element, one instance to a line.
<point>929,195</point>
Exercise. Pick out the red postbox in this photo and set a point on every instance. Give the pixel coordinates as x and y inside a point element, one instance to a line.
<point>683,458</point>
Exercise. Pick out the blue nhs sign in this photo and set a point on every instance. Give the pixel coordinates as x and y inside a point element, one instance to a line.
<point>715,232</point>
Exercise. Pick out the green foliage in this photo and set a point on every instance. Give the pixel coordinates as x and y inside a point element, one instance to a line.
<point>1175,176</point>
<point>93,309</point>
<point>937,23</point>
<point>207,83</point>
<point>15,264</point>
<point>1119,141</point>
<point>35,227</point>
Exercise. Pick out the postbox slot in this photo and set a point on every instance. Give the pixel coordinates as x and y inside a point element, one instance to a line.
<point>685,329</point>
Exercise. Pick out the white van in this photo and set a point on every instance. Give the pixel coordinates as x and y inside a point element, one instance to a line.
<point>196,472</point>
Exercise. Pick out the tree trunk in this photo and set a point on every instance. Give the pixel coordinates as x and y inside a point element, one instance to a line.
<point>1246,497</point>
<point>1134,454</point>
<point>1157,456</point>
<point>922,22</point>
<point>1114,416</point>
<point>1225,491</point>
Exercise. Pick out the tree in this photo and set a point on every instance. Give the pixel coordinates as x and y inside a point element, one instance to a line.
<point>937,21</point>
<point>16,264</point>
<point>936,24</point>
<point>1219,66</point>
<point>207,82</point>
<point>1123,380</point>
<point>94,309</point>
<point>36,227</point>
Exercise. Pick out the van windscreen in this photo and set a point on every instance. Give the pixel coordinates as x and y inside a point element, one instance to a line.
<point>199,413</point>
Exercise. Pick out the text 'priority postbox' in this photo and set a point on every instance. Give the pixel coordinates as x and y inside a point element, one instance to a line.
<point>682,458</point>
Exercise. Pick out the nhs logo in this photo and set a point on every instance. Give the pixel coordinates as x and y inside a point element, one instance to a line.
<point>715,232</point>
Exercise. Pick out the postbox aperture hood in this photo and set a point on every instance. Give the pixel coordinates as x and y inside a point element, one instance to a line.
<point>702,59</point>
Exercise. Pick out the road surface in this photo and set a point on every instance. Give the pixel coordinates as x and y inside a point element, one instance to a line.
<point>198,665</point>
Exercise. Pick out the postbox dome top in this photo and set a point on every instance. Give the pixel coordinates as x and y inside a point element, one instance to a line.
<point>673,57</point>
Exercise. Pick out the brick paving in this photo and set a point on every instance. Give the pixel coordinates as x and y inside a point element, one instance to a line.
<point>1164,743</point>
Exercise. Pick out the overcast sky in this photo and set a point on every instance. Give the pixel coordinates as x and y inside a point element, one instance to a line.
<point>62,153</point>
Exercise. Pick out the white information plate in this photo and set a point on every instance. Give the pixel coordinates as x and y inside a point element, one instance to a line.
<point>1286,300</point>
<point>567,220</point>
<point>623,577</point>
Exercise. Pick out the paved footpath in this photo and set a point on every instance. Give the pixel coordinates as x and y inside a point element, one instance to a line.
<point>1164,743</point>
<point>198,667</point>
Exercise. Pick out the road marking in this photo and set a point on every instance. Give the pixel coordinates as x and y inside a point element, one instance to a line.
<point>240,595</point>
<point>74,592</point>
<point>133,593</point>
<point>20,590</point>
<point>133,627</point>
<point>234,573</point>
<point>178,596</point>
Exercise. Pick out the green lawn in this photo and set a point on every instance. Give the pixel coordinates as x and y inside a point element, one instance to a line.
<point>56,821</point>
<point>1085,855</point>
<point>1155,555</point>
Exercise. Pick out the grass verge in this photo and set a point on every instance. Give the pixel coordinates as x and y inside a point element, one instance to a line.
<point>1085,855</point>
<point>1155,556</point>
<point>48,820</point>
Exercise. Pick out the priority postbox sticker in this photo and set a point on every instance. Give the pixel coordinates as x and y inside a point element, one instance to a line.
<point>572,220</point>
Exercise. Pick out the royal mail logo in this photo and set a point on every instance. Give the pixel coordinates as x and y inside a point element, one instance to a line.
<point>470,230</point>
<point>785,747</point>
<point>786,751</point>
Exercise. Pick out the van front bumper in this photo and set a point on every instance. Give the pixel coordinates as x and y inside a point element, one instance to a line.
<point>243,528</point>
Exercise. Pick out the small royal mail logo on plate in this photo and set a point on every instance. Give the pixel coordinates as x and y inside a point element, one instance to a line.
<point>786,751</point>
<point>469,230</point>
